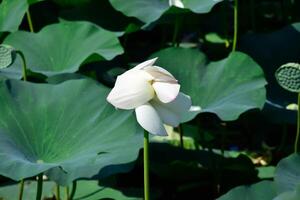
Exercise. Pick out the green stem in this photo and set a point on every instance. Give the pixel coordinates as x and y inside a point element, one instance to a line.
<point>67,193</point>
<point>39,187</point>
<point>24,66</point>
<point>57,192</point>
<point>235,33</point>
<point>146,166</point>
<point>21,189</point>
<point>29,21</point>
<point>298,125</point>
<point>74,186</point>
<point>181,136</point>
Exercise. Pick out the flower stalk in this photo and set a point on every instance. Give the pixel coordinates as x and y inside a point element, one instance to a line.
<point>57,192</point>
<point>235,31</point>
<point>24,65</point>
<point>39,187</point>
<point>21,190</point>
<point>29,21</point>
<point>146,166</point>
<point>72,194</point>
<point>24,75</point>
<point>298,126</point>
<point>67,197</point>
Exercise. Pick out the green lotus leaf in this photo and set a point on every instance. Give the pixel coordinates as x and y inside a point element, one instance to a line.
<point>14,71</point>
<point>63,47</point>
<point>287,174</point>
<point>227,87</point>
<point>289,195</point>
<point>202,6</point>
<point>86,190</point>
<point>12,13</point>
<point>264,190</point>
<point>149,11</point>
<point>66,130</point>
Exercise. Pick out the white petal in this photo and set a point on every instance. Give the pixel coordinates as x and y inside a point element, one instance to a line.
<point>145,64</point>
<point>171,113</point>
<point>177,3</point>
<point>160,74</point>
<point>167,115</point>
<point>181,104</point>
<point>131,90</point>
<point>149,119</point>
<point>166,92</point>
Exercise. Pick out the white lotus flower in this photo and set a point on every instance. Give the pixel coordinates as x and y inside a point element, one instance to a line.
<point>176,3</point>
<point>154,94</point>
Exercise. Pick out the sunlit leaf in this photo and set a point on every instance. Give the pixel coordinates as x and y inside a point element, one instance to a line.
<point>149,11</point>
<point>62,47</point>
<point>264,190</point>
<point>287,174</point>
<point>12,13</point>
<point>227,87</point>
<point>66,130</point>
<point>290,195</point>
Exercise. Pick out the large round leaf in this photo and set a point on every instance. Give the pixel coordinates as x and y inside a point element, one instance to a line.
<point>264,190</point>
<point>86,190</point>
<point>290,195</point>
<point>287,174</point>
<point>227,88</point>
<point>62,47</point>
<point>12,13</point>
<point>202,6</point>
<point>149,11</point>
<point>67,130</point>
<point>14,71</point>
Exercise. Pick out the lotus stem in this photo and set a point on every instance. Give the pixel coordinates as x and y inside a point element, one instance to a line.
<point>39,187</point>
<point>29,21</point>
<point>74,186</point>
<point>24,75</point>
<point>235,31</point>
<point>146,166</point>
<point>298,125</point>
<point>24,66</point>
<point>181,136</point>
<point>21,189</point>
<point>67,193</point>
<point>57,189</point>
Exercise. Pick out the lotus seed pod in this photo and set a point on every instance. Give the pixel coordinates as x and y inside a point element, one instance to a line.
<point>7,55</point>
<point>288,76</point>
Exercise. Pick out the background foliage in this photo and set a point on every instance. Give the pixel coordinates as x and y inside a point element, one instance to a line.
<point>75,49</point>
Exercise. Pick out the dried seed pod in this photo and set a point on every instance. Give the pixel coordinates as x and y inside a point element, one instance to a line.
<point>288,76</point>
<point>7,55</point>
